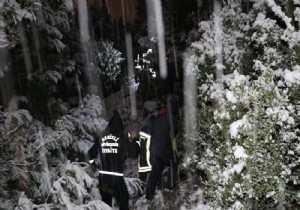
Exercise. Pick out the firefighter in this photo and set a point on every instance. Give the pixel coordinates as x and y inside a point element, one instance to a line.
<point>143,139</point>
<point>111,147</point>
<point>133,149</point>
<point>162,132</point>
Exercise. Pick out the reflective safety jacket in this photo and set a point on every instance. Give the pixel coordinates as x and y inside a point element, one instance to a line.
<point>110,148</point>
<point>145,142</point>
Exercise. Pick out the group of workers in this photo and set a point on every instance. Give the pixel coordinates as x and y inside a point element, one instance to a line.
<point>152,146</point>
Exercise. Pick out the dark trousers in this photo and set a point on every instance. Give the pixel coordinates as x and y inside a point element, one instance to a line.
<point>110,186</point>
<point>143,176</point>
<point>158,164</point>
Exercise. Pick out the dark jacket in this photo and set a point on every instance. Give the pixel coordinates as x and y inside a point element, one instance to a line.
<point>110,147</point>
<point>132,148</point>
<point>159,130</point>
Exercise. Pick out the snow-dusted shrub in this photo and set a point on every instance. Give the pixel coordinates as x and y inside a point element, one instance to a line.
<point>248,146</point>
<point>88,119</point>
<point>35,159</point>
<point>52,21</point>
<point>13,13</point>
<point>108,61</point>
<point>69,191</point>
<point>252,159</point>
<point>14,170</point>
<point>135,187</point>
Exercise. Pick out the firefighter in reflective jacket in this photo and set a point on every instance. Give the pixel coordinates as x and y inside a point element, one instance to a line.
<point>110,147</point>
<point>144,140</point>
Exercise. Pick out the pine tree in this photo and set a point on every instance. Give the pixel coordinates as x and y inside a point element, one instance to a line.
<point>108,62</point>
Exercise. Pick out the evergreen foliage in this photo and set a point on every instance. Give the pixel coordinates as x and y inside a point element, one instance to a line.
<point>36,170</point>
<point>248,144</point>
<point>108,63</point>
<point>47,121</point>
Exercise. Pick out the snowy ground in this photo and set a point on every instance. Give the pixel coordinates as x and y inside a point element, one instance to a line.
<point>181,198</point>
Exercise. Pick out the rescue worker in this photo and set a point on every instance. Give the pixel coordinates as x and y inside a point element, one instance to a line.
<point>143,139</point>
<point>161,130</point>
<point>133,149</point>
<point>110,147</point>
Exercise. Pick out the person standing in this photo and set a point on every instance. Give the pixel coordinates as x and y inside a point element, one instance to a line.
<point>160,126</point>
<point>143,139</point>
<point>110,146</point>
<point>132,156</point>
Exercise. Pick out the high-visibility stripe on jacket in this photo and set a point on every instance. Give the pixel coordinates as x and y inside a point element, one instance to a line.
<point>110,173</point>
<point>144,141</point>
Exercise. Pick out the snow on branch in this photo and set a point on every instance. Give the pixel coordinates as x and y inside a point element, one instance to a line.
<point>277,10</point>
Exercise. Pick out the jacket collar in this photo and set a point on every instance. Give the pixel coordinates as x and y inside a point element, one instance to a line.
<point>161,112</point>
